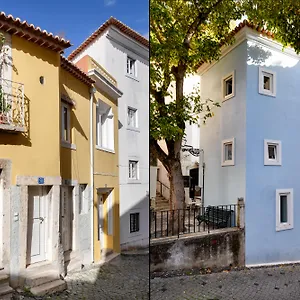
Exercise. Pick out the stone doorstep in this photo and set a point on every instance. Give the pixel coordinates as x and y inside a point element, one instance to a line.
<point>40,277</point>
<point>73,265</point>
<point>49,288</point>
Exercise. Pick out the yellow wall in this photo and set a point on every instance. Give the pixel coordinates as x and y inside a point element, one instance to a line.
<point>75,164</point>
<point>107,163</point>
<point>35,153</point>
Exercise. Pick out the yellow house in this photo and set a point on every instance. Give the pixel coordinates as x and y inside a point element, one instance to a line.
<point>30,171</point>
<point>59,177</point>
<point>104,157</point>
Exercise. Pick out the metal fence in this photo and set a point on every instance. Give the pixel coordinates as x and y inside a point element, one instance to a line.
<point>180,222</point>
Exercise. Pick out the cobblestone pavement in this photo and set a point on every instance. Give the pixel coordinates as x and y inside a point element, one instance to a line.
<point>125,277</point>
<point>272,283</point>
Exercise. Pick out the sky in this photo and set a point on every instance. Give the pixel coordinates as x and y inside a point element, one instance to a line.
<point>78,19</point>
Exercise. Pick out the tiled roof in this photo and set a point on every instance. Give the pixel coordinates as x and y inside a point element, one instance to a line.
<point>111,21</point>
<point>246,23</point>
<point>31,33</point>
<point>75,71</point>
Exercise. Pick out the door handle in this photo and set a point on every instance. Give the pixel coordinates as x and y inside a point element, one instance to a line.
<point>41,219</point>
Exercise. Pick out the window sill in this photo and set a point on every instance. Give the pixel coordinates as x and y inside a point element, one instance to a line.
<point>284,227</point>
<point>131,77</point>
<point>134,181</point>
<point>272,163</point>
<point>68,145</point>
<point>134,234</point>
<point>227,97</point>
<point>227,163</point>
<point>133,129</point>
<point>105,149</point>
<point>267,93</point>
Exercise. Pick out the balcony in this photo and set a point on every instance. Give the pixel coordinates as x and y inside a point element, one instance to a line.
<point>12,112</point>
<point>103,79</point>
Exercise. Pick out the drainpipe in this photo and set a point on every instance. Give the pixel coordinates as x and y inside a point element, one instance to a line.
<point>92,91</point>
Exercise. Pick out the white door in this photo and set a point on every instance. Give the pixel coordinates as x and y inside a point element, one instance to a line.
<point>37,239</point>
<point>66,217</point>
<point>101,221</point>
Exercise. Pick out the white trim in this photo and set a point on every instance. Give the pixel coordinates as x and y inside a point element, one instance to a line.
<point>137,170</point>
<point>278,159</point>
<point>135,71</point>
<point>105,149</point>
<point>252,35</point>
<point>228,162</point>
<point>69,133</point>
<point>290,209</point>
<point>272,75</point>
<point>135,116</point>
<point>224,79</point>
<point>289,262</point>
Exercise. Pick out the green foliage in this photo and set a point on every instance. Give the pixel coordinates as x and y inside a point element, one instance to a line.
<point>4,107</point>
<point>282,17</point>
<point>183,34</point>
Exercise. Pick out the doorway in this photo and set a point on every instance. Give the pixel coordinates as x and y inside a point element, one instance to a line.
<point>37,234</point>
<point>67,217</point>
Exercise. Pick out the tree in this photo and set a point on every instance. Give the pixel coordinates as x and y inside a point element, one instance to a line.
<point>183,34</point>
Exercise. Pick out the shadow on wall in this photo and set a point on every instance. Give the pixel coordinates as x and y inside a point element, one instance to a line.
<point>257,55</point>
<point>136,237</point>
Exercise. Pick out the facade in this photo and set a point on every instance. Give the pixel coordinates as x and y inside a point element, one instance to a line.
<point>59,161</point>
<point>125,55</point>
<point>250,143</point>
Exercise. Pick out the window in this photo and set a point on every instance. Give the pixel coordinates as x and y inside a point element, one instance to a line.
<point>132,117</point>
<point>272,153</point>
<point>267,82</point>
<point>284,209</point>
<point>228,86</point>
<point>134,222</point>
<point>131,66</point>
<point>104,126</point>
<point>83,199</point>
<point>228,152</point>
<point>65,121</point>
<point>133,169</point>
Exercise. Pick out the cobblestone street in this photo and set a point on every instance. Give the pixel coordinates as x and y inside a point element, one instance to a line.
<point>255,284</point>
<point>125,277</point>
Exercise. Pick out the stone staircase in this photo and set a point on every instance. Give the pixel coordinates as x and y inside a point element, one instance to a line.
<point>5,290</point>
<point>161,203</point>
<point>43,280</point>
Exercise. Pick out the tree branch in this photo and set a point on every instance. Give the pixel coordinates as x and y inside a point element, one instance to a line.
<point>160,154</point>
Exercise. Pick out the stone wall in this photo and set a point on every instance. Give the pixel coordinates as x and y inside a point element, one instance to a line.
<point>218,250</point>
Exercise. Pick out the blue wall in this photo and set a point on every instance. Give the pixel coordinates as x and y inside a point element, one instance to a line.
<point>274,118</point>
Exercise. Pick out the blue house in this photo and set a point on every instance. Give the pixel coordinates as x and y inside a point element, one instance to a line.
<point>252,144</point>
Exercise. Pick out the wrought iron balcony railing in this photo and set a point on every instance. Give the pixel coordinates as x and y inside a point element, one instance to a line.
<point>12,108</point>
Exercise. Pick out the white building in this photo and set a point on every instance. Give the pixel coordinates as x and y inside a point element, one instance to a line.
<point>125,54</point>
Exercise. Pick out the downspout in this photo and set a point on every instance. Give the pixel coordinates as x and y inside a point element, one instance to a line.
<point>92,91</point>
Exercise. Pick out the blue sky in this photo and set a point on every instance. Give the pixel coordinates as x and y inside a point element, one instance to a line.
<point>77,19</point>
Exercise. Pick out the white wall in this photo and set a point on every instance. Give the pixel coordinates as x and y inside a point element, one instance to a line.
<point>110,50</point>
<point>223,185</point>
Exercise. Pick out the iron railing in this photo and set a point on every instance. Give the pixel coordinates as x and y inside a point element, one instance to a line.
<point>172,223</point>
<point>12,108</point>
<point>163,189</point>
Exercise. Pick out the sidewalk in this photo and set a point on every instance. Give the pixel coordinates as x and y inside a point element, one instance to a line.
<point>274,283</point>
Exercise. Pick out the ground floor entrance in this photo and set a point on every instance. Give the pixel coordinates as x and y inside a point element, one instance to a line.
<point>38,215</point>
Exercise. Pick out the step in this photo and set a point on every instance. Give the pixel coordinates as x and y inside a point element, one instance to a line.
<point>74,265</point>
<point>38,277</point>
<point>49,288</point>
<point>6,292</point>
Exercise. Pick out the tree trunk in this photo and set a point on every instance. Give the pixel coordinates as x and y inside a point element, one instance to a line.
<point>176,186</point>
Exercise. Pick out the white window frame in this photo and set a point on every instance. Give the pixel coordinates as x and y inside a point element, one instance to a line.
<point>228,162</point>
<point>224,79</point>
<point>135,117</point>
<point>128,59</point>
<point>107,128</point>
<point>137,169</point>
<point>69,133</point>
<point>269,73</point>
<point>290,209</point>
<point>278,159</point>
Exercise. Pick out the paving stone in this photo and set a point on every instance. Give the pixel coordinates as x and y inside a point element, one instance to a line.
<point>276,283</point>
<point>125,277</point>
